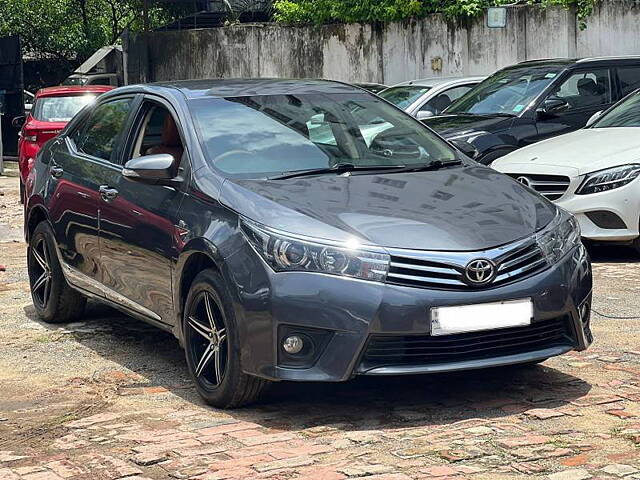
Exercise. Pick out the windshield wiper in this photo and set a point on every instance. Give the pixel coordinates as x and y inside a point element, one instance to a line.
<point>433,165</point>
<point>337,168</point>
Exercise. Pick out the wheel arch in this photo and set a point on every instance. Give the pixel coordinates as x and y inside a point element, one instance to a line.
<point>35,215</point>
<point>198,255</point>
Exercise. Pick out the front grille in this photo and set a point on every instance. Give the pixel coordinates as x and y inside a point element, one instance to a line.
<point>388,350</point>
<point>427,271</point>
<point>551,186</point>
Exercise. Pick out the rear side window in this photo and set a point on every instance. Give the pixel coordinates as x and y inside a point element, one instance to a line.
<point>629,78</point>
<point>586,89</point>
<point>104,128</point>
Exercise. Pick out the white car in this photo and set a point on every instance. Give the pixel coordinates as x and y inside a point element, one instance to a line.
<point>429,96</point>
<point>591,172</point>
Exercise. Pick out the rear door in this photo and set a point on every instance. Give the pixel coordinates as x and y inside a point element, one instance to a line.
<point>85,164</point>
<point>586,91</point>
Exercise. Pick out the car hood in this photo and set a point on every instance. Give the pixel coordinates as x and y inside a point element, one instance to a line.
<point>466,208</point>
<point>459,124</point>
<point>576,153</point>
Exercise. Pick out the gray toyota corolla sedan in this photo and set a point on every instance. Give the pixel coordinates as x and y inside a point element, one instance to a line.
<point>299,230</point>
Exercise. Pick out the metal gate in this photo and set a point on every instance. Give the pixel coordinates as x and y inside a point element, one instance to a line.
<point>11,92</point>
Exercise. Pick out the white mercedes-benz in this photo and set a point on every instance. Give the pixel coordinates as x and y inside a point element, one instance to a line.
<point>591,172</point>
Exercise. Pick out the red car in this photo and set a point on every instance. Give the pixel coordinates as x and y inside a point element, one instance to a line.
<point>52,109</point>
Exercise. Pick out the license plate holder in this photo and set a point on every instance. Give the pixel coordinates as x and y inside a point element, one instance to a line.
<point>450,320</point>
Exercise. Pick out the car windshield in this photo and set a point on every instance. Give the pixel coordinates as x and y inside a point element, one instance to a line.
<point>506,92</point>
<point>75,81</point>
<point>626,114</point>
<point>403,97</point>
<point>60,109</point>
<point>262,136</point>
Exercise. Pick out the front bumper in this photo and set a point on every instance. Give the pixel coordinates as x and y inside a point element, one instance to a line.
<point>349,314</point>
<point>610,216</point>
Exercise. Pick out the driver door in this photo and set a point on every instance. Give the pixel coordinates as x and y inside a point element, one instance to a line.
<point>138,239</point>
<point>585,93</point>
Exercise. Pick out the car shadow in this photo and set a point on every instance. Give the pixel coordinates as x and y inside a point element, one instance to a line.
<point>364,403</point>
<point>613,253</point>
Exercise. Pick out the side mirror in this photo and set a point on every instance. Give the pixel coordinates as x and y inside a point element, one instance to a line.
<point>18,122</point>
<point>465,147</point>
<point>424,114</point>
<point>593,118</point>
<point>552,106</point>
<point>152,169</point>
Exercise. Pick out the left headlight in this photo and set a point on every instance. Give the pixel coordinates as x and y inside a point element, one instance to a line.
<point>283,252</point>
<point>608,179</point>
<point>559,237</point>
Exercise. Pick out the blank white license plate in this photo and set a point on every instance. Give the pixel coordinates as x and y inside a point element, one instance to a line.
<point>485,316</point>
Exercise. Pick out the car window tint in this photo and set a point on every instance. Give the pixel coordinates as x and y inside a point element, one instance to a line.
<point>629,78</point>
<point>403,97</point>
<point>104,128</point>
<point>259,136</point>
<point>438,103</point>
<point>625,114</point>
<point>585,89</point>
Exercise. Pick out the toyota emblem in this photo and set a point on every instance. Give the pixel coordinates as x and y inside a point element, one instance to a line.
<point>480,271</point>
<point>524,180</point>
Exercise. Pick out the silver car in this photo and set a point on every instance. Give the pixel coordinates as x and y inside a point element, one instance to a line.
<point>429,96</point>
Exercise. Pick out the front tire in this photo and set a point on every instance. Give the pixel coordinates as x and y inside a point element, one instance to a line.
<point>212,347</point>
<point>54,300</point>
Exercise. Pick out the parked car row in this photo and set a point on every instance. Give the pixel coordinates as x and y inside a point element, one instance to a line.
<point>300,230</point>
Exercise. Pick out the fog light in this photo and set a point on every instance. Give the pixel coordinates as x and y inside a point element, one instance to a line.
<point>293,344</point>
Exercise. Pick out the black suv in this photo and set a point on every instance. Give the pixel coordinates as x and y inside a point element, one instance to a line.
<point>530,101</point>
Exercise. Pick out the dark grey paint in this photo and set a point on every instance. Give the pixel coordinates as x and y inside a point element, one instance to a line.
<point>140,267</point>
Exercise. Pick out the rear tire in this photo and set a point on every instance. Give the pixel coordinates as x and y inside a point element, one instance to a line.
<point>212,347</point>
<point>54,300</point>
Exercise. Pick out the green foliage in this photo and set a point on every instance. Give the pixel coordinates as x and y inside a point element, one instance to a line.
<point>71,30</point>
<point>346,11</point>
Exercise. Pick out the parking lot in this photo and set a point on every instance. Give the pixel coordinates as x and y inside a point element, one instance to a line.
<point>109,397</point>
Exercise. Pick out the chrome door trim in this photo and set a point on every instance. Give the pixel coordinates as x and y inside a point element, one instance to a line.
<point>80,280</point>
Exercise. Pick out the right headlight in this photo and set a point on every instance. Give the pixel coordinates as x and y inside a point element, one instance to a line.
<point>284,252</point>
<point>559,237</point>
<point>608,179</point>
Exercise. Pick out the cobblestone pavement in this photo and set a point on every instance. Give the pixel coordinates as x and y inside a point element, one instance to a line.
<point>109,398</point>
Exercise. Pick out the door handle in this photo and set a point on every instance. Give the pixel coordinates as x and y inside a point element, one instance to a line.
<point>56,172</point>
<point>107,193</point>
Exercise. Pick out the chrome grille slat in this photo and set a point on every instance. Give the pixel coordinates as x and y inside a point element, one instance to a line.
<point>551,186</point>
<point>519,271</point>
<point>415,278</point>
<point>517,260</point>
<point>423,268</point>
<point>445,270</point>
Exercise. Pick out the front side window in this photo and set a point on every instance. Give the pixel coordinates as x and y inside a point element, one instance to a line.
<point>625,114</point>
<point>585,89</point>
<point>629,78</point>
<point>262,136</point>
<point>104,128</point>
<point>404,97</point>
<point>507,92</point>
<point>60,109</point>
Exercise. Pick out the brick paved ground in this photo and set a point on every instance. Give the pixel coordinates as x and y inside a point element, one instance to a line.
<point>109,398</point>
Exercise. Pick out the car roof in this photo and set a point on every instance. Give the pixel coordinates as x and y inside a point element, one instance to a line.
<point>578,61</point>
<point>243,87</point>
<point>439,81</point>
<point>67,90</point>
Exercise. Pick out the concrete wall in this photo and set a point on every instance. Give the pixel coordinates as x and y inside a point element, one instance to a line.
<point>386,53</point>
